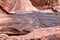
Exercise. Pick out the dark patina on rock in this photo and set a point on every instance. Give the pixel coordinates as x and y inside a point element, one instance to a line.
<point>23,23</point>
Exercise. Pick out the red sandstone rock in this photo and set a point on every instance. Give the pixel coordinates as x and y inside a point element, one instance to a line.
<point>44,4</point>
<point>22,6</point>
<point>52,33</point>
<point>26,23</point>
<point>12,6</point>
<point>44,34</point>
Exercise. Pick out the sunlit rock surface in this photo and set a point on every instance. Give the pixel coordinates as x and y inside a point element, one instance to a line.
<point>28,23</point>
<point>52,33</point>
<point>23,6</point>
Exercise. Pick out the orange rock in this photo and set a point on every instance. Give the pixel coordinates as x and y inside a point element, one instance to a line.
<point>52,33</point>
<point>12,6</point>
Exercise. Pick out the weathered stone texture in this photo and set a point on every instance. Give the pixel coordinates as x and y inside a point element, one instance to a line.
<point>44,4</point>
<point>12,6</point>
<point>32,25</point>
<point>19,23</point>
<point>52,33</point>
<point>23,6</point>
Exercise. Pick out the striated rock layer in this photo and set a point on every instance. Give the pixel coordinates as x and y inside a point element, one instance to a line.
<point>52,33</point>
<point>25,23</point>
<point>22,6</point>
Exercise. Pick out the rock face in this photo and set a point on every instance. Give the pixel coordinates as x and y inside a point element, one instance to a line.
<point>16,6</point>
<point>7,5</point>
<point>20,23</point>
<point>52,33</point>
<point>43,34</point>
<point>29,23</point>
<point>12,6</point>
<point>22,6</point>
<point>44,4</point>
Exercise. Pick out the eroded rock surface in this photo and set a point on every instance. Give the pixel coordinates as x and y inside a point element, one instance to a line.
<point>21,23</point>
<point>22,6</point>
<point>52,33</point>
<point>44,4</point>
